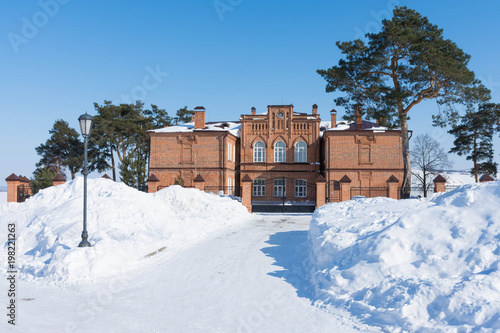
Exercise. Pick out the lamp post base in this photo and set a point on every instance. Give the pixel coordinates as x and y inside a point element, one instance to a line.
<point>84,242</point>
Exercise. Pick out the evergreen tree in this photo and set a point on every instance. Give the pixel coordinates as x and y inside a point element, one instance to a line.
<point>62,150</point>
<point>407,62</point>
<point>42,178</point>
<point>183,115</point>
<point>122,129</point>
<point>474,138</point>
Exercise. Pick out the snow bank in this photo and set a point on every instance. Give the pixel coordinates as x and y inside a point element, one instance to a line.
<point>415,264</point>
<point>126,227</point>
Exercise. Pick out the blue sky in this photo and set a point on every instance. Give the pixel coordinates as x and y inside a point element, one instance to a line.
<point>61,56</point>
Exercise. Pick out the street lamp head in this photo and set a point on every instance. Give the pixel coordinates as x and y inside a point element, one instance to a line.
<point>86,122</point>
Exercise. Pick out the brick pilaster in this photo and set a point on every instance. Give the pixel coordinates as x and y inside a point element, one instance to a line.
<point>392,184</point>
<point>246,195</point>
<point>439,184</point>
<point>345,188</point>
<point>153,182</point>
<point>199,183</point>
<point>13,182</point>
<point>320,191</point>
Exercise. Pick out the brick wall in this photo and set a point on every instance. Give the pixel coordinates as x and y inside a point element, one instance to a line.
<point>212,154</point>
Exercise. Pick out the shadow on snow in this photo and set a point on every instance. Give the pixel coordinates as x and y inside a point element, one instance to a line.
<point>289,252</point>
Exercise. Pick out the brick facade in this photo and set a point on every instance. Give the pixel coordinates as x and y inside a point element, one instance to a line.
<point>279,146</point>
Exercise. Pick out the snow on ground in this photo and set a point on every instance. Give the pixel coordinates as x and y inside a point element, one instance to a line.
<point>412,264</point>
<point>124,227</point>
<point>3,198</point>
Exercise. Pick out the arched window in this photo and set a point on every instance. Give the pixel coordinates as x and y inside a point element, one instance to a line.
<point>300,152</point>
<point>259,152</point>
<point>279,152</point>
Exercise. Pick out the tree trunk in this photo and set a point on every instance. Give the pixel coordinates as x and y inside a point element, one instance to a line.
<point>474,157</point>
<point>113,164</point>
<point>405,142</point>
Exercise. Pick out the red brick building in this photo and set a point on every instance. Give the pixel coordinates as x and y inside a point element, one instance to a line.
<point>284,153</point>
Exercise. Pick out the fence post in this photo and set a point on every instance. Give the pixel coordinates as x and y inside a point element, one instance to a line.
<point>199,183</point>
<point>153,182</point>
<point>246,195</point>
<point>13,182</point>
<point>392,184</point>
<point>486,178</point>
<point>345,188</point>
<point>58,180</point>
<point>439,184</point>
<point>320,191</point>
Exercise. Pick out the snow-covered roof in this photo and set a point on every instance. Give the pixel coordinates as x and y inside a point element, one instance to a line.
<point>351,125</point>
<point>229,126</point>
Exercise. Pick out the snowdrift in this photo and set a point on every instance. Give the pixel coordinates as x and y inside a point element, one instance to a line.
<point>412,264</point>
<point>126,228</point>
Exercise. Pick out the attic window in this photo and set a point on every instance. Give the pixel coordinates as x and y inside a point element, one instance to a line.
<point>224,125</point>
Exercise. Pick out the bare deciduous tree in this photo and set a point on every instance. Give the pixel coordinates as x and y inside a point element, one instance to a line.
<point>428,156</point>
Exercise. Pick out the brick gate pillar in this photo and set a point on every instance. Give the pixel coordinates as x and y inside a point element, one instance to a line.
<point>246,192</point>
<point>199,183</point>
<point>392,184</point>
<point>439,184</point>
<point>58,180</point>
<point>345,188</point>
<point>153,182</point>
<point>486,178</point>
<point>320,191</point>
<point>13,182</point>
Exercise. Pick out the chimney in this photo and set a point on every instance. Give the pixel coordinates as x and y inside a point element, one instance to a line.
<point>359,120</point>
<point>333,115</point>
<point>199,117</point>
<point>315,109</point>
<point>254,111</point>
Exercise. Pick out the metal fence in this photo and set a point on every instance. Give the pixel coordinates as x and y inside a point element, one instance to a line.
<point>369,192</point>
<point>227,190</point>
<point>333,193</point>
<point>162,187</point>
<point>418,191</point>
<point>23,193</point>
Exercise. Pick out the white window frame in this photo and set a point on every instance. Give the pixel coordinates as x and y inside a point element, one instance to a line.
<point>259,188</point>
<point>300,188</point>
<point>279,187</point>
<point>259,152</point>
<point>300,152</point>
<point>279,152</point>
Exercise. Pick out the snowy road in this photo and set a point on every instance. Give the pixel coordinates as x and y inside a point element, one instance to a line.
<point>240,280</point>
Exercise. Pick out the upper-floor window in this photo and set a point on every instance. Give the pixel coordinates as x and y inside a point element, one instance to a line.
<point>259,152</point>
<point>300,152</point>
<point>279,152</point>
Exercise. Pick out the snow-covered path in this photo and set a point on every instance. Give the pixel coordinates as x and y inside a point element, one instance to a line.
<point>238,280</point>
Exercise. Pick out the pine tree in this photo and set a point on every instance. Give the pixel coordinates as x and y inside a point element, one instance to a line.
<point>474,138</point>
<point>62,150</point>
<point>183,115</point>
<point>42,178</point>
<point>122,130</point>
<point>407,62</point>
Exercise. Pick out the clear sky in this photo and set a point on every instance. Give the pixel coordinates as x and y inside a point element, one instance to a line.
<point>58,57</point>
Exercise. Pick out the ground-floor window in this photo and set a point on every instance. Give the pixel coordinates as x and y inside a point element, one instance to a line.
<point>279,187</point>
<point>300,188</point>
<point>259,187</point>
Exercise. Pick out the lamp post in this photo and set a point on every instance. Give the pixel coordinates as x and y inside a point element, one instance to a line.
<point>86,122</point>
